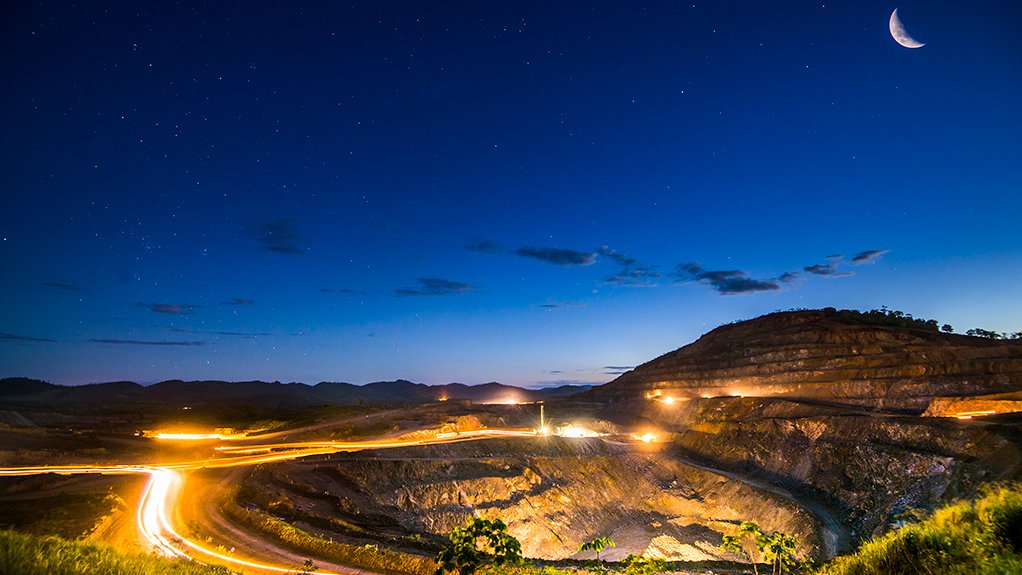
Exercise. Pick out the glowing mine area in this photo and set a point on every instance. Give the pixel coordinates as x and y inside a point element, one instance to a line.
<point>658,395</point>
<point>576,431</point>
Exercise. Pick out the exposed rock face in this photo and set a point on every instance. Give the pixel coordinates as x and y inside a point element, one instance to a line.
<point>816,354</point>
<point>832,408</point>
<point>553,494</point>
<point>978,406</point>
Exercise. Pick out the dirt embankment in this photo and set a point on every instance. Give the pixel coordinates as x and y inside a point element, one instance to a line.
<point>553,493</point>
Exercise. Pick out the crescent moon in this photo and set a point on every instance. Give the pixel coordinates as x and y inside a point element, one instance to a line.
<point>900,35</point>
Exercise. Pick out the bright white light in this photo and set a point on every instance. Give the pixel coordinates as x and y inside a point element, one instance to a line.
<point>576,431</point>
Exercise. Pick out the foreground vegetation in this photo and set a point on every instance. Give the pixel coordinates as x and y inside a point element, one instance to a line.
<point>69,515</point>
<point>22,554</point>
<point>983,537</point>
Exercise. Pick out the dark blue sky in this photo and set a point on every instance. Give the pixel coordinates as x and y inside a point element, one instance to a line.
<point>474,191</point>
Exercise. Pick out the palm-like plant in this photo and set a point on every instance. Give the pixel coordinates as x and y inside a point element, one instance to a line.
<point>597,545</point>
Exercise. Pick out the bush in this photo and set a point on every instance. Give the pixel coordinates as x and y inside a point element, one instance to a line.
<point>22,554</point>
<point>978,538</point>
<point>464,557</point>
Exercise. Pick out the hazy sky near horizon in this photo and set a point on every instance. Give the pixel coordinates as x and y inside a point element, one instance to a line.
<point>532,193</point>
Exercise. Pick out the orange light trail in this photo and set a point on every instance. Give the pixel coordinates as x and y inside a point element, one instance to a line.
<point>162,489</point>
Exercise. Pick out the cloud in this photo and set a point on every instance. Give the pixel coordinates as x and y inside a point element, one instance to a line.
<point>484,246</point>
<point>788,277</point>
<point>835,257</point>
<point>558,256</point>
<point>726,282</point>
<point>345,291</point>
<point>563,382</point>
<point>632,273</point>
<point>560,305</point>
<point>247,334</point>
<point>635,276</point>
<point>828,269</point>
<point>280,236</point>
<point>239,301</point>
<point>62,286</point>
<point>868,256</point>
<point>434,286</point>
<point>147,342</point>
<point>619,367</point>
<point>168,308</point>
<point>618,257</point>
<point>25,338</point>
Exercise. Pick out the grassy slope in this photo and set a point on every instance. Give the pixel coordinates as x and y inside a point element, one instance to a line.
<point>980,537</point>
<point>22,554</point>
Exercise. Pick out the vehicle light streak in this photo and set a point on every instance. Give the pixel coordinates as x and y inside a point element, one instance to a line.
<point>152,510</point>
<point>152,517</point>
<point>191,436</point>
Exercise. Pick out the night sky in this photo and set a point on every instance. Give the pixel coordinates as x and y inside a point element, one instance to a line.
<point>531,193</point>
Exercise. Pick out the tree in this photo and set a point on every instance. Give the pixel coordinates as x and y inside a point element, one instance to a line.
<point>776,547</point>
<point>779,549</point>
<point>639,565</point>
<point>745,542</point>
<point>947,328</point>
<point>978,332</point>
<point>464,556</point>
<point>598,545</point>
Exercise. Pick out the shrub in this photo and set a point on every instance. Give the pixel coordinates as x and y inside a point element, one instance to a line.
<point>983,537</point>
<point>23,554</point>
<point>464,555</point>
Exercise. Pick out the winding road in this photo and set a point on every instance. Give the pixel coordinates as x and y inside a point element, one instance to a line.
<point>164,495</point>
<point>164,489</point>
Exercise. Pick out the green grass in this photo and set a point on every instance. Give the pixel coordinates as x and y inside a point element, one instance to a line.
<point>983,537</point>
<point>22,554</point>
<point>65,515</point>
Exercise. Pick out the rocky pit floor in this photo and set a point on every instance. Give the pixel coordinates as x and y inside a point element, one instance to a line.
<point>553,492</point>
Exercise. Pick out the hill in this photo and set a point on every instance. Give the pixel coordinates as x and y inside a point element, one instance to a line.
<point>866,419</point>
<point>22,393</point>
<point>836,356</point>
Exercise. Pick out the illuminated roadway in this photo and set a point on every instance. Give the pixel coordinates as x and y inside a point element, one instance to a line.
<point>163,489</point>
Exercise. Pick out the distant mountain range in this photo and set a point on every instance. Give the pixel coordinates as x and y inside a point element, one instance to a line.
<point>17,392</point>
